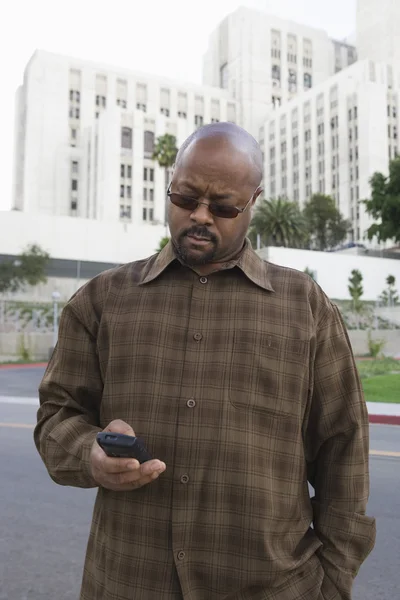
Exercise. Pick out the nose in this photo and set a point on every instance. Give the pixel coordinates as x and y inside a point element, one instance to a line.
<point>201,215</point>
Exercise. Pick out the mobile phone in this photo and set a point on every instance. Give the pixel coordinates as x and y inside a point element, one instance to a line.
<point>119,445</point>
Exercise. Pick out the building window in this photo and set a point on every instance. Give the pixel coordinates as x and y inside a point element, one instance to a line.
<point>145,214</point>
<point>198,120</point>
<point>355,112</point>
<point>394,112</point>
<point>122,170</point>
<point>74,205</point>
<point>350,115</point>
<point>121,103</point>
<point>125,211</point>
<point>74,167</point>
<point>148,142</point>
<point>181,114</point>
<point>126,138</point>
<point>151,214</point>
<point>100,101</point>
<point>129,174</point>
<point>151,173</point>
<point>122,191</point>
<point>145,174</point>
<point>74,185</point>
<point>73,133</point>
<point>164,111</point>
<point>283,147</point>
<point>307,81</point>
<point>128,191</point>
<point>395,132</point>
<point>141,106</point>
<point>151,191</point>
<point>77,113</point>
<point>389,131</point>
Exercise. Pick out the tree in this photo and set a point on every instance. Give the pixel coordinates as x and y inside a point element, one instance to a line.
<point>310,273</point>
<point>164,153</point>
<point>163,242</point>
<point>384,204</point>
<point>390,297</point>
<point>279,223</point>
<point>28,269</point>
<point>326,225</point>
<point>356,290</point>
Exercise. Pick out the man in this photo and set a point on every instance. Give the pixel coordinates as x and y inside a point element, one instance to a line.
<point>240,378</point>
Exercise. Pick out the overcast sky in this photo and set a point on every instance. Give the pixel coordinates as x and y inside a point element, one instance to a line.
<point>166,37</point>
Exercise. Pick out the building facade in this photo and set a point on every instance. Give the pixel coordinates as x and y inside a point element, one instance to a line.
<point>85,134</point>
<point>378,30</point>
<point>332,139</point>
<point>264,61</point>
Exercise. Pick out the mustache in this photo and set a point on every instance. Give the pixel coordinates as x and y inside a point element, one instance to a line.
<point>199,232</point>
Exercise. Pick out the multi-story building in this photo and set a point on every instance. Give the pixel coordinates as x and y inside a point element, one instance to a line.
<point>264,61</point>
<point>378,30</point>
<point>85,134</point>
<point>332,139</point>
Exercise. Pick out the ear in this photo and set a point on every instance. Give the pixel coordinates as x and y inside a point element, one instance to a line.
<point>257,193</point>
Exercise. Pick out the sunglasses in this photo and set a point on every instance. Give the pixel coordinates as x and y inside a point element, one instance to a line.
<point>224,211</point>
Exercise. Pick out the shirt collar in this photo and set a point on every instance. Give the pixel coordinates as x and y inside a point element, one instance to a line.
<point>254,267</point>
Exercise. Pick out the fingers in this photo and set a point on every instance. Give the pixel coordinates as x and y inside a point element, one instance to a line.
<point>119,426</point>
<point>135,479</point>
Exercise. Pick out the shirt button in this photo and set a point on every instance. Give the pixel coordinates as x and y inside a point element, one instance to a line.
<point>197,337</point>
<point>181,555</point>
<point>203,279</point>
<point>185,478</point>
<point>191,403</point>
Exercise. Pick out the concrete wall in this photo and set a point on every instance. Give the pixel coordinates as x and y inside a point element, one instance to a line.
<point>333,269</point>
<point>38,344</point>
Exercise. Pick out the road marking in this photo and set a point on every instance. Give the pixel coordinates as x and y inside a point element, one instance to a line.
<point>384,453</point>
<point>19,400</point>
<point>18,425</point>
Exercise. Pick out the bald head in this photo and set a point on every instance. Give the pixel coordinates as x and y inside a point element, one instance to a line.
<point>237,139</point>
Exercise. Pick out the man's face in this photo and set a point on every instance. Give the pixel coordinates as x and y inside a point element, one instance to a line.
<point>211,170</point>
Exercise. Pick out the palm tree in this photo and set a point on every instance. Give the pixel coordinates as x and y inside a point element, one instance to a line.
<point>279,223</point>
<point>164,153</point>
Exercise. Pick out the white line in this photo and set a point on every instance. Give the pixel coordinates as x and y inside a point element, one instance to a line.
<point>19,400</point>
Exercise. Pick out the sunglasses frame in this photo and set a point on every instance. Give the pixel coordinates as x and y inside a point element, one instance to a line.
<point>239,210</point>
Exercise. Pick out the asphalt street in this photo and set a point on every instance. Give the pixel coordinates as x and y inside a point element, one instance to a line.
<point>44,527</point>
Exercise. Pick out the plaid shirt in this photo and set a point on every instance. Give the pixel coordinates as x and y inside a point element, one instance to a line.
<point>244,383</point>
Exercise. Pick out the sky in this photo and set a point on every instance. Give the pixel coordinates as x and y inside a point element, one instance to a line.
<point>164,37</point>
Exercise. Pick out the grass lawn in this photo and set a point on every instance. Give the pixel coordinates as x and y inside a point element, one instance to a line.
<point>377,366</point>
<point>384,388</point>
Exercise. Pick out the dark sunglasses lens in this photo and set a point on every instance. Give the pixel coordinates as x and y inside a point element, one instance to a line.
<point>183,202</point>
<point>225,212</point>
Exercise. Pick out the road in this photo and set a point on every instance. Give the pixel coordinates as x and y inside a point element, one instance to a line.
<point>44,527</point>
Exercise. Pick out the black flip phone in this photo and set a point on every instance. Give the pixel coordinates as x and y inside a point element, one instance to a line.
<point>119,445</point>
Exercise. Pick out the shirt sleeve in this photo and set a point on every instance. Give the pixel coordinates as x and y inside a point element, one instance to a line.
<point>70,396</point>
<point>337,452</point>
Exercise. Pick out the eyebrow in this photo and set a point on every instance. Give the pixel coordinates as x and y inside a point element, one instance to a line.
<point>192,188</point>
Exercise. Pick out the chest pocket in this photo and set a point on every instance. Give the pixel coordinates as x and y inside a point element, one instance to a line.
<point>268,372</point>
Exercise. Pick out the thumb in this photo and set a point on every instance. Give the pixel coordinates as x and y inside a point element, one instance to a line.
<point>119,426</point>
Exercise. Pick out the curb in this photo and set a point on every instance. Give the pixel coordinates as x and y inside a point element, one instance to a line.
<point>23,366</point>
<point>384,419</point>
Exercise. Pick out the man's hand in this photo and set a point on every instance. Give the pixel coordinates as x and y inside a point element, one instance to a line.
<point>122,474</point>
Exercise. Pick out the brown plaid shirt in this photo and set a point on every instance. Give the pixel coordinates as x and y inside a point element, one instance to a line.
<point>244,383</point>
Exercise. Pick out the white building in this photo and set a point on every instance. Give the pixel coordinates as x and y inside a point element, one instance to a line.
<point>264,61</point>
<point>378,30</point>
<point>331,139</point>
<point>85,134</point>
